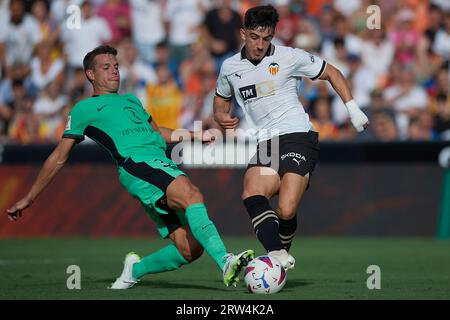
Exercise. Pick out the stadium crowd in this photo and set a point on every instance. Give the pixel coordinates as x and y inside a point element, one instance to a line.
<point>170,52</point>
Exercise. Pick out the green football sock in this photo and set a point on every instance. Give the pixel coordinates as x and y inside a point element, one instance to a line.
<point>206,233</point>
<point>165,259</point>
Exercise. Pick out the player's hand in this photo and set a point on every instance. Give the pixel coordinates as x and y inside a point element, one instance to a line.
<point>225,120</point>
<point>16,210</point>
<point>357,116</point>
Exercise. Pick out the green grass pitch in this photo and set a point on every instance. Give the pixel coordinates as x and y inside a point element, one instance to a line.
<point>326,268</point>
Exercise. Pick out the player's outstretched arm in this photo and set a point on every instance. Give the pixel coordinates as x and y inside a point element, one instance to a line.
<point>50,168</point>
<point>339,83</point>
<point>222,108</point>
<point>175,136</point>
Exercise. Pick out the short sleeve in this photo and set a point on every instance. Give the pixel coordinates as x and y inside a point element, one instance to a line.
<point>75,125</point>
<point>308,65</point>
<point>223,87</point>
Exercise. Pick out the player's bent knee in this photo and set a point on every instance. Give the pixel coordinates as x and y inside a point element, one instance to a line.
<point>286,211</point>
<point>193,196</point>
<point>191,252</point>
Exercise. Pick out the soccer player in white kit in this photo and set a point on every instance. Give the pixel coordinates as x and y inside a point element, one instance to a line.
<point>263,79</point>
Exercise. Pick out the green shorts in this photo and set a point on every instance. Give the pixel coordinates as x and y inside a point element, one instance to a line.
<point>147,181</point>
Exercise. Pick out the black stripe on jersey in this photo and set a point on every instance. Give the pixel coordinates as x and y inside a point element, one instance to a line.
<point>104,140</point>
<point>220,96</point>
<point>142,170</point>
<point>77,137</point>
<point>321,70</point>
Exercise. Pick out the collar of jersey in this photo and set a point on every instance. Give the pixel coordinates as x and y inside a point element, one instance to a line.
<point>270,51</point>
<point>105,94</point>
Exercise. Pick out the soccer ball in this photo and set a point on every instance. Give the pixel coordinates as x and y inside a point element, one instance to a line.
<point>264,275</point>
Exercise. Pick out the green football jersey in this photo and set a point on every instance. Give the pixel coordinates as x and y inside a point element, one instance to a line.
<point>119,123</point>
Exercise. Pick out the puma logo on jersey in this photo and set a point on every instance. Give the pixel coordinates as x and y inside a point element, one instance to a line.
<point>297,157</point>
<point>238,75</point>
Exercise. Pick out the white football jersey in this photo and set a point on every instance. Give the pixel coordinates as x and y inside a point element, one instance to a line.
<point>267,92</point>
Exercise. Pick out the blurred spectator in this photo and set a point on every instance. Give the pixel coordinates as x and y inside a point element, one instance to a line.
<point>406,98</point>
<point>421,127</point>
<point>18,35</point>
<point>49,31</point>
<point>183,19</point>
<point>441,43</point>
<point>117,14</point>
<point>441,83</point>
<point>288,26</point>
<point>347,7</point>
<point>198,77</point>
<point>322,121</point>
<point>162,56</point>
<point>308,36</point>
<point>358,17</point>
<point>44,69</point>
<point>4,9</point>
<point>443,4</point>
<point>164,99</point>
<point>383,126</point>
<point>352,43</point>
<point>363,80</point>
<point>442,116</point>
<point>326,24</point>
<point>405,38</point>
<point>59,9</point>
<point>135,74</point>
<point>317,7</point>
<point>78,87</point>
<point>145,16</point>
<point>346,132</point>
<point>376,100</point>
<point>435,21</point>
<point>244,5</point>
<point>19,72</point>
<point>427,62</point>
<point>377,54</point>
<point>200,107</point>
<point>24,128</point>
<point>48,109</point>
<point>338,56</point>
<point>222,25</point>
<point>11,105</point>
<point>93,32</point>
<point>192,69</point>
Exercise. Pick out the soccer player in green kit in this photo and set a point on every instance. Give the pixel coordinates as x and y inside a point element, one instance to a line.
<point>120,124</point>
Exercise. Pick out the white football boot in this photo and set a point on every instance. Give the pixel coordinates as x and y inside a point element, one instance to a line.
<point>234,265</point>
<point>126,279</point>
<point>287,261</point>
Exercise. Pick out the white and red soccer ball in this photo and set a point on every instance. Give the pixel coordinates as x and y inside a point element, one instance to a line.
<point>264,275</point>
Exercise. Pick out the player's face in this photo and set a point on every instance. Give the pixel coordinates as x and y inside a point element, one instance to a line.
<point>106,76</point>
<point>257,41</point>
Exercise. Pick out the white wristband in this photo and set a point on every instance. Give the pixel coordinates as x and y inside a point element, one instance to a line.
<point>351,105</point>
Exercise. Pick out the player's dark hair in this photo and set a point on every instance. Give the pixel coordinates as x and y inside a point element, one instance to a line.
<point>89,59</point>
<point>261,16</point>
